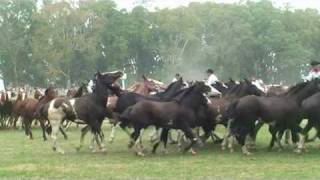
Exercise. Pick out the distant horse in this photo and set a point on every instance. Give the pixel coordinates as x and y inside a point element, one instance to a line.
<point>180,113</point>
<point>280,112</point>
<point>8,99</point>
<point>88,109</point>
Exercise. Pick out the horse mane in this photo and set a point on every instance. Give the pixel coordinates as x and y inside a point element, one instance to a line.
<point>182,93</point>
<point>79,91</point>
<point>234,88</point>
<point>296,88</point>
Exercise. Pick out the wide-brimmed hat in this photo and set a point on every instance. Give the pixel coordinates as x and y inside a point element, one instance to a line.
<point>314,63</point>
<point>209,71</point>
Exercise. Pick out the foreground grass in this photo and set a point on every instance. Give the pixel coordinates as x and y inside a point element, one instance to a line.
<point>23,158</point>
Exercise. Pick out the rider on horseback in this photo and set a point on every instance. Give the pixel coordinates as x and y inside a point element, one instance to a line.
<point>314,71</point>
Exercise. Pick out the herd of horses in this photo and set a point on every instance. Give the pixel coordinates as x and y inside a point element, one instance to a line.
<point>186,107</point>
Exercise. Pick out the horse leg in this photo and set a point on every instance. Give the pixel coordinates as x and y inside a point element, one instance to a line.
<point>307,129</point>
<point>243,142</point>
<point>287,136</point>
<point>190,135</point>
<point>302,138</point>
<point>43,129</point>
<point>154,136</point>
<point>55,124</point>
<point>65,136</point>
<point>273,133</point>
<point>83,133</point>
<point>163,139</point>
<point>280,134</point>
<point>113,131</point>
<point>135,138</point>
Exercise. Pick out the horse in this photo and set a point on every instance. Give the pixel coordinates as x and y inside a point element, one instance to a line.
<point>126,99</point>
<point>179,113</point>
<point>310,110</point>
<point>216,110</point>
<point>8,100</point>
<point>89,109</point>
<point>145,87</point>
<point>280,112</point>
<point>28,110</point>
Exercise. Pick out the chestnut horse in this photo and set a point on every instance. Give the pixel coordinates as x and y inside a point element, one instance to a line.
<point>28,110</point>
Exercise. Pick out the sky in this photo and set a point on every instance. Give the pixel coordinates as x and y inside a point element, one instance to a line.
<point>295,4</point>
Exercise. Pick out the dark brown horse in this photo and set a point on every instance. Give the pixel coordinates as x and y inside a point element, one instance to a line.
<point>179,113</point>
<point>280,112</point>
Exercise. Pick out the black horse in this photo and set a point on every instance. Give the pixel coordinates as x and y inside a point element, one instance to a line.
<point>179,113</point>
<point>89,109</point>
<point>216,111</point>
<point>127,99</point>
<point>280,112</point>
<point>310,110</point>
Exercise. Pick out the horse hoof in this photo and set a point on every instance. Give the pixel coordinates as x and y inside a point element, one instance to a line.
<point>165,152</point>
<point>61,152</point>
<point>193,152</point>
<point>298,151</point>
<point>130,145</point>
<point>78,149</point>
<point>141,154</point>
<point>174,142</point>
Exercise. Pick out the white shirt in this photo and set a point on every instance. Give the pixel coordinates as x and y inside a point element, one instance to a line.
<point>174,79</point>
<point>312,75</point>
<point>212,79</point>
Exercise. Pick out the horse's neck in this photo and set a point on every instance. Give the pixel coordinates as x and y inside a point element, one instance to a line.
<point>234,92</point>
<point>99,95</point>
<point>300,94</point>
<point>192,100</point>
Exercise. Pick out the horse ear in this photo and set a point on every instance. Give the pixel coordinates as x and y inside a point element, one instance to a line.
<point>98,74</point>
<point>144,77</point>
<point>246,80</point>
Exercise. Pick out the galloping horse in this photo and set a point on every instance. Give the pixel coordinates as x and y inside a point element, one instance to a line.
<point>127,99</point>
<point>28,109</point>
<point>89,109</point>
<point>179,113</point>
<point>280,112</point>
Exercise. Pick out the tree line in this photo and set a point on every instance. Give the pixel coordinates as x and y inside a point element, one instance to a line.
<point>62,42</point>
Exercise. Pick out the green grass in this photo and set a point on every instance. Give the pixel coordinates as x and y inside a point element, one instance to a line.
<point>23,158</point>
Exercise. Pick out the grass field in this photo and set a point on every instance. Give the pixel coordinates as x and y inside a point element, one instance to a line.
<point>23,158</point>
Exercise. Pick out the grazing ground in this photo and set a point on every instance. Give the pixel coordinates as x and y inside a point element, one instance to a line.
<point>28,159</point>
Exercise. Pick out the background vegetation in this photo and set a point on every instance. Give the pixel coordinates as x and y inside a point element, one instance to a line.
<point>61,41</point>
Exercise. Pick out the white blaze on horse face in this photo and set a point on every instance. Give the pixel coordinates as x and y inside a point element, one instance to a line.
<point>90,86</point>
<point>72,102</point>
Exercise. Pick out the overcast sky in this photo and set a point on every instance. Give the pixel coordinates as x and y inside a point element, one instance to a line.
<point>296,4</point>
